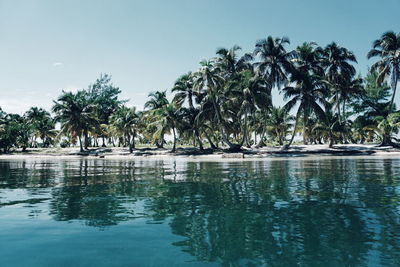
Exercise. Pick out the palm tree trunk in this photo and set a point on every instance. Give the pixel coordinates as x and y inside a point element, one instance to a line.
<point>394,87</point>
<point>80,142</point>
<point>261,142</point>
<point>128,137</point>
<point>190,98</point>
<point>104,142</point>
<point>279,135</point>
<point>295,128</point>
<point>338,106</point>
<point>197,134</point>
<point>386,140</point>
<point>86,139</point>
<point>305,141</point>
<point>244,138</point>
<point>344,110</point>
<point>133,139</point>
<point>331,140</point>
<point>174,147</point>
<point>209,140</point>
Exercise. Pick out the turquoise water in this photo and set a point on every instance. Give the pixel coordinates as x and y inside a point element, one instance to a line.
<point>286,212</point>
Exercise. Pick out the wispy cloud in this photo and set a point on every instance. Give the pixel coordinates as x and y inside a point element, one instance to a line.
<point>57,64</point>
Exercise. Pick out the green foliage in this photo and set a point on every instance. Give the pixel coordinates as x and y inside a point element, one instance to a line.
<point>228,102</point>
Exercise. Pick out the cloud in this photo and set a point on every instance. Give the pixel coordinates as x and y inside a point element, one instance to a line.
<point>57,64</point>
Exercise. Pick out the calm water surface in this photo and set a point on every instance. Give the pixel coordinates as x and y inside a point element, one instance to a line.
<point>295,212</point>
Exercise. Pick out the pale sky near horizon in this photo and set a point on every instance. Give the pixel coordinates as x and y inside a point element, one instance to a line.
<point>47,45</point>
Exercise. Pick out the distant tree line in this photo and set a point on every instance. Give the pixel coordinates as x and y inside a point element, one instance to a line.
<point>227,102</point>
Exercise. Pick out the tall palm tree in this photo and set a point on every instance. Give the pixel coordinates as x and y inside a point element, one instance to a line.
<point>209,79</point>
<point>308,92</point>
<point>256,94</point>
<point>308,57</point>
<point>338,68</point>
<point>241,88</point>
<point>75,114</point>
<point>275,61</point>
<point>387,48</point>
<point>230,63</point>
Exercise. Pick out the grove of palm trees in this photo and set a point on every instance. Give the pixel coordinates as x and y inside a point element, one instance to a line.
<point>227,103</point>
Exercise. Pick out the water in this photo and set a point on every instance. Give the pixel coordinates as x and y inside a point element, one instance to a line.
<point>289,212</point>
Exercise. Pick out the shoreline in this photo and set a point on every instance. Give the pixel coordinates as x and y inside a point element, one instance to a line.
<point>295,151</point>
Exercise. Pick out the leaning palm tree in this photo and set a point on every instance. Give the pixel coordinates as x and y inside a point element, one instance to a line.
<point>387,48</point>
<point>308,93</point>
<point>75,114</point>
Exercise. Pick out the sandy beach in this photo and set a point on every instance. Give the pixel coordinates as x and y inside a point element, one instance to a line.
<point>193,153</point>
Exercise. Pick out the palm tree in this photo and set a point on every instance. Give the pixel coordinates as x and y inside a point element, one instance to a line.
<point>75,114</point>
<point>329,126</point>
<point>256,94</point>
<point>209,79</point>
<point>183,89</point>
<point>157,100</point>
<point>374,105</point>
<point>230,63</point>
<point>338,68</point>
<point>308,58</point>
<point>387,48</point>
<point>279,123</point>
<point>43,125</point>
<point>166,121</point>
<point>243,90</point>
<point>275,61</point>
<point>309,92</point>
<point>125,121</point>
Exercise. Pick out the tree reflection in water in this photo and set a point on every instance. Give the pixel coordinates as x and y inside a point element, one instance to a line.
<point>333,212</point>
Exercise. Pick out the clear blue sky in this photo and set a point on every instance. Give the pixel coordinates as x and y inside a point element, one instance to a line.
<point>47,46</point>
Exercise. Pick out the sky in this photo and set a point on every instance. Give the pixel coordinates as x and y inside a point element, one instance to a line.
<point>48,46</point>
